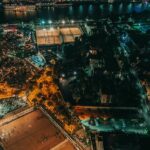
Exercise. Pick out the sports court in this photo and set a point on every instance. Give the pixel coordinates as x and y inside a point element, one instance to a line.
<point>33,131</point>
<point>57,36</point>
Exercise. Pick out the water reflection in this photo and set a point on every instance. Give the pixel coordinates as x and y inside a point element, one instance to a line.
<point>74,12</point>
<point>91,10</point>
<point>110,8</point>
<point>101,7</point>
<point>70,10</point>
<point>138,8</point>
<point>129,8</point>
<point>120,8</point>
<point>19,15</point>
<point>81,9</point>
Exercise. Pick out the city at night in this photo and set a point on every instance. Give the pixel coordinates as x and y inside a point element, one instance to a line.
<point>74,75</point>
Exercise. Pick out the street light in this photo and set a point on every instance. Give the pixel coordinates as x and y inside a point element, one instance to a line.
<point>43,22</point>
<point>63,22</point>
<point>51,28</point>
<point>72,21</point>
<point>50,22</point>
<point>75,73</point>
<point>63,75</point>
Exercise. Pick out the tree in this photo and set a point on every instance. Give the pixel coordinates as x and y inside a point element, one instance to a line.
<point>34,101</point>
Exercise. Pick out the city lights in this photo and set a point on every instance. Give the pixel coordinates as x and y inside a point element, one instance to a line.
<point>77,70</point>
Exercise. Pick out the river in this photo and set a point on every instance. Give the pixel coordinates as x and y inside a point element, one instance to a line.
<point>77,12</point>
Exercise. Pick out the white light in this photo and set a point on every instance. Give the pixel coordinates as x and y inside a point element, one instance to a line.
<point>51,28</point>
<point>50,22</point>
<point>72,21</point>
<point>43,22</point>
<point>75,73</point>
<point>146,2</point>
<point>44,29</point>
<point>63,22</point>
<point>63,75</point>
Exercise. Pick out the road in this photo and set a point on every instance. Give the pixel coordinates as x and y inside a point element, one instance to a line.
<point>105,107</point>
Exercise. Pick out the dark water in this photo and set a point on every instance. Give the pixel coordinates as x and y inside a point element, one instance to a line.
<point>78,12</point>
